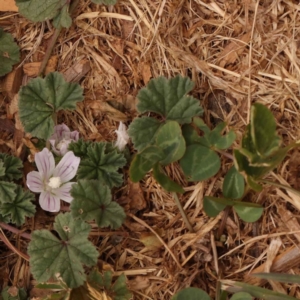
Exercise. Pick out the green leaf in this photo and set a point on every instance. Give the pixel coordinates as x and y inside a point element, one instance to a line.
<point>99,280</point>
<point>20,207</point>
<point>224,142</point>
<point>120,289</point>
<point>286,278</point>
<point>9,52</point>
<point>102,165</point>
<point>7,192</point>
<point>234,184</point>
<point>4,219</point>
<point>38,11</point>
<point>201,125</point>
<point>191,294</point>
<point>199,163</point>
<point>13,293</point>
<point>79,148</point>
<point>41,98</point>
<point>142,132</point>
<point>248,212</point>
<point>144,161</point>
<point>106,2</point>
<point>166,182</point>
<point>190,135</point>
<point>169,138</point>
<point>51,257</point>
<point>213,205</point>
<point>92,201</point>
<point>167,97</point>
<point>12,165</point>
<point>263,130</point>
<point>2,169</point>
<point>63,18</point>
<point>241,296</point>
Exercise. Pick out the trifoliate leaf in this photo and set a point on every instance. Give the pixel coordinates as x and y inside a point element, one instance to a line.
<point>13,293</point>
<point>166,182</point>
<point>38,11</point>
<point>213,205</point>
<point>79,148</point>
<point>170,140</point>
<point>63,18</point>
<point>234,184</point>
<point>51,257</point>
<point>106,2</point>
<point>41,98</point>
<point>168,98</point>
<point>190,135</point>
<point>7,192</point>
<point>142,132</point>
<point>143,162</point>
<point>199,163</point>
<point>12,165</point>
<point>92,201</point>
<point>9,52</point>
<point>248,212</point>
<point>102,165</point>
<point>20,207</point>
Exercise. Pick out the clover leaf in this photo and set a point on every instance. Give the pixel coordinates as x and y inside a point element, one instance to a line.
<point>102,165</point>
<point>167,97</point>
<point>11,165</point>
<point>41,98</point>
<point>38,11</point>
<point>92,201</point>
<point>20,207</point>
<point>9,52</point>
<point>51,257</point>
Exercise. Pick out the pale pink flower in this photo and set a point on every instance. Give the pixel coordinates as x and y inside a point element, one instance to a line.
<point>53,181</point>
<point>61,138</point>
<point>122,137</point>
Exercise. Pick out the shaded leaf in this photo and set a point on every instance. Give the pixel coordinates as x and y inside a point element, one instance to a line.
<point>51,257</point>
<point>12,165</point>
<point>166,182</point>
<point>7,192</point>
<point>213,205</point>
<point>199,163</point>
<point>2,169</point>
<point>191,294</point>
<point>102,165</point>
<point>142,132</point>
<point>41,98</point>
<point>9,52</point>
<point>79,148</point>
<point>63,18</point>
<point>13,293</point>
<point>248,212</point>
<point>167,97</point>
<point>241,296</point>
<point>92,201</point>
<point>143,162</point>
<point>106,2</point>
<point>190,135</point>
<point>20,207</point>
<point>170,140</point>
<point>233,185</point>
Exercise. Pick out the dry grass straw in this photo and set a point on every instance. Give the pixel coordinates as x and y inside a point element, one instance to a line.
<point>237,53</point>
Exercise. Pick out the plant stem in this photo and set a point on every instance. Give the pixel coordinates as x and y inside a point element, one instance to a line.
<point>53,41</point>
<point>15,230</point>
<point>182,212</point>
<point>288,188</point>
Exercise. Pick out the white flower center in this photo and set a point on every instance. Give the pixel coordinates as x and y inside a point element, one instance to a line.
<point>54,182</point>
<point>63,142</point>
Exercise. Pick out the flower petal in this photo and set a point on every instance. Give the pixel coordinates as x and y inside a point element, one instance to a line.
<point>122,137</point>
<point>45,163</point>
<point>74,135</point>
<point>60,130</point>
<point>35,182</point>
<point>49,202</point>
<point>64,192</point>
<point>67,167</point>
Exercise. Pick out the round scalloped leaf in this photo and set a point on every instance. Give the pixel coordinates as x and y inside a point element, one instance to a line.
<point>248,212</point>
<point>51,257</point>
<point>41,98</point>
<point>191,294</point>
<point>9,52</point>
<point>170,140</point>
<point>234,184</point>
<point>167,97</point>
<point>199,163</point>
<point>142,132</point>
<point>92,201</point>
<point>39,11</point>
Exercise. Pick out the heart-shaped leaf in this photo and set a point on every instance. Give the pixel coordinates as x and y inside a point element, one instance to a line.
<point>213,205</point>
<point>234,184</point>
<point>248,212</point>
<point>191,294</point>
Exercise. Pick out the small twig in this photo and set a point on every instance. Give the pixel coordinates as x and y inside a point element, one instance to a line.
<point>10,246</point>
<point>288,188</point>
<point>53,41</point>
<point>182,212</point>
<point>15,230</point>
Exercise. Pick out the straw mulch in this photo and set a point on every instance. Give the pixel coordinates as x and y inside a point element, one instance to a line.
<point>237,53</point>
